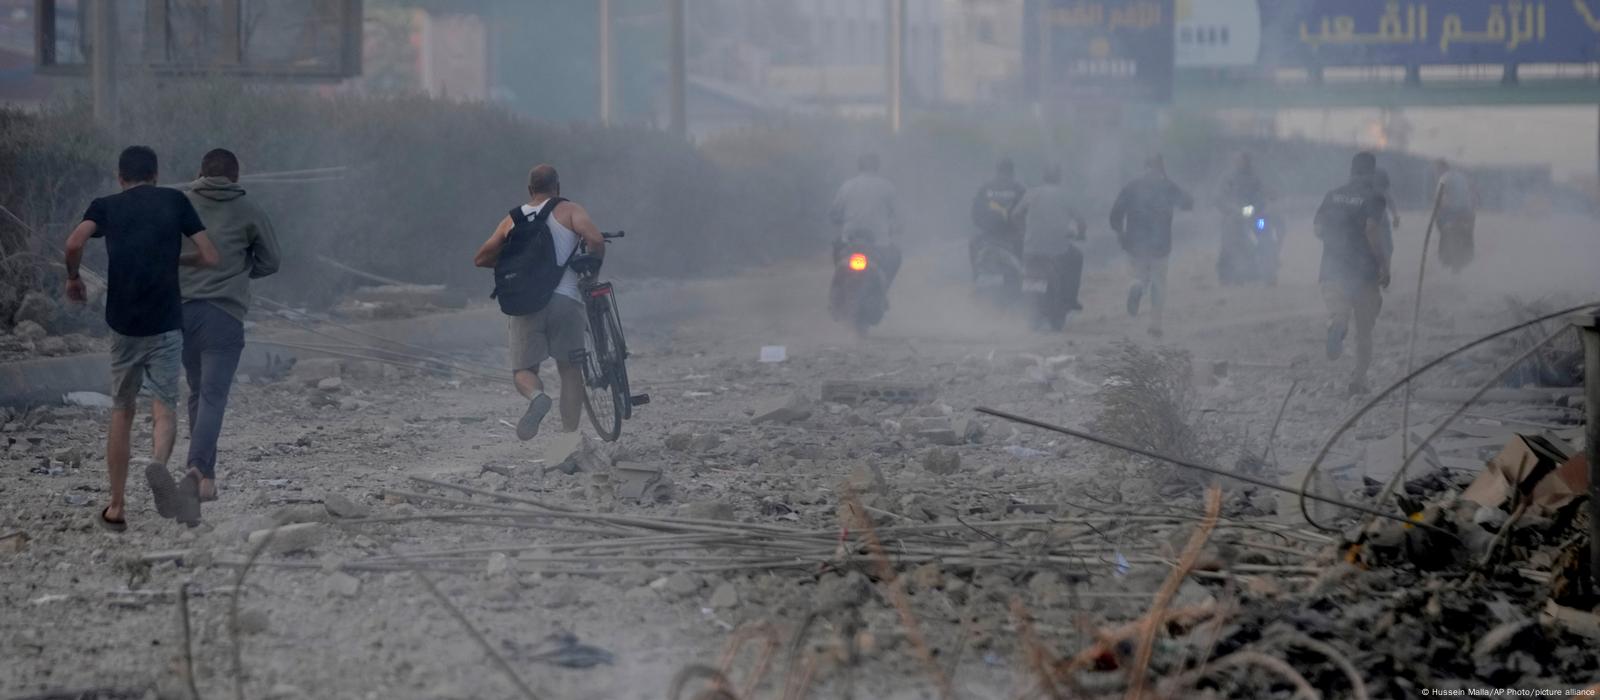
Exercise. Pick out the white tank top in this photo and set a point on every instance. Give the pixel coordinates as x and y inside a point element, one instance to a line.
<point>565,243</point>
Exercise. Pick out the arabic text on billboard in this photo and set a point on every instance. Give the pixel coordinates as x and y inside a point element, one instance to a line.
<point>1106,48</point>
<point>1431,32</point>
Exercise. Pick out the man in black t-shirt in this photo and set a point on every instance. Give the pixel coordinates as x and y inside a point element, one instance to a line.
<point>143,227</point>
<point>1355,261</point>
<point>1142,219</point>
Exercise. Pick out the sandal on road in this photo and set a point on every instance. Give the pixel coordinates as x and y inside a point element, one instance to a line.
<point>162,488</point>
<point>117,525</point>
<point>186,503</point>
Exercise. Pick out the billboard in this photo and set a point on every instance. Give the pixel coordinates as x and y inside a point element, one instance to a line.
<point>1099,49</point>
<point>1334,33</point>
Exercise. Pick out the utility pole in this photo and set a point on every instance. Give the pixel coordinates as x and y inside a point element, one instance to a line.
<point>103,61</point>
<point>678,117</point>
<point>895,66</point>
<point>606,74</point>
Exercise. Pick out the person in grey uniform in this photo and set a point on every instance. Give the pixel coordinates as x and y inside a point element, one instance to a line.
<point>1053,264</point>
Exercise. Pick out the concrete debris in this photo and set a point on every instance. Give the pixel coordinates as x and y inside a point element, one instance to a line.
<point>791,409</point>
<point>253,621</point>
<point>13,542</point>
<point>299,537</point>
<point>30,330</point>
<point>679,585</point>
<point>310,371</point>
<point>37,308</point>
<point>88,399</point>
<point>843,592</point>
<point>344,584</point>
<point>341,507</point>
<point>724,597</point>
<point>941,460</point>
<point>561,595</point>
<point>706,510</point>
<point>855,392</point>
<point>497,565</point>
<point>330,384</point>
<point>641,482</point>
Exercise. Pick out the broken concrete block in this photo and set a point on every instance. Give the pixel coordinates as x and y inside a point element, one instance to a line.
<point>38,308</point>
<point>299,537</point>
<point>310,371</point>
<point>340,507</point>
<point>301,513</point>
<point>725,596</point>
<point>498,564</point>
<point>852,392</point>
<point>942,461</point>
<point>680,441</point>
<point>344,584</point>
<point>791,409</point>
<point>635,482</point>
<point>30,330</point>
<point>330,384</point>
<point>706,510</point>
<point>678,585</point>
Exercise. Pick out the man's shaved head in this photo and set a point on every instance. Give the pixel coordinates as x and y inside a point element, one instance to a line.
<point>544,180</point>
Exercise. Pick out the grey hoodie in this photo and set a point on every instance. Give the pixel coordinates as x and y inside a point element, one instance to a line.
<point>247,248</point>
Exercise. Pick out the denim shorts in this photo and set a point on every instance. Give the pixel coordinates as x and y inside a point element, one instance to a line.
<point>149,361</point>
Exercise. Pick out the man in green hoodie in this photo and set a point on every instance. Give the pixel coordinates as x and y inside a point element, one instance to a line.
<point>215,300</point>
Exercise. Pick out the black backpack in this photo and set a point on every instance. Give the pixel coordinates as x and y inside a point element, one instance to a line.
<point>527,274</point>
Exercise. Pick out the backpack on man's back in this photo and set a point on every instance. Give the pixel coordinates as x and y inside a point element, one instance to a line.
<point>527,272</point>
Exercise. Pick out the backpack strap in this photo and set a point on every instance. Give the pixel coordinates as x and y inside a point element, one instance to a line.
<point>548,209</point>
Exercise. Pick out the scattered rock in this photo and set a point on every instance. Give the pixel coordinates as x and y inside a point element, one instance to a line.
<point>311,371</point>
<point>36,308</point>
<point>53,346</point>
<point>340,507</point>
<point>253,621</point>
<point>791,409</point>
<point>30,330</point>
<point>330,384</point>
<point>498,564</point>
<point>706,510</point>
<point>941,460</point>
<point>560,596</point>
<point>301,513</point>
<point>678,585</point>
<point>705,442</point>
<point>925,578</point>
<point>299,537</point>
<point>724,597</point>
<point>344,584</point>
<point>13,542</point>
<point>840,592</point>
<point>680,441</point>
<point>284,691</point>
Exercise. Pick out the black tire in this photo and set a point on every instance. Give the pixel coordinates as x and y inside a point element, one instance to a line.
<point>619,362</point>
<point>598,398</point>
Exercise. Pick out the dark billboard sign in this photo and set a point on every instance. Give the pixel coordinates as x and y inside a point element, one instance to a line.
<point>1099,49</point>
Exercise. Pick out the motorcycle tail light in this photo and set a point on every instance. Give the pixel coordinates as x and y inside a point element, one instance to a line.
<point>1248,210</point>
<point>1261,224</point>
<point>858,261</point>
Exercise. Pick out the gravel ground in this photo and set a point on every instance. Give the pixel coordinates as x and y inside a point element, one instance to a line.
<point>325,617</point>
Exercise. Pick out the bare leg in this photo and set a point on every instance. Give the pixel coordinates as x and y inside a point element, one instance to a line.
<point>527,382</point>
<point>571,394</point>
<point>117,459</point>
<point>165,432</point>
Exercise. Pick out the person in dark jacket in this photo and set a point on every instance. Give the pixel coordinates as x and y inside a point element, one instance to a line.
<point>1142,218</point>
<point>215,301</point>
<point>992,209</point>
<point>1353,225</point>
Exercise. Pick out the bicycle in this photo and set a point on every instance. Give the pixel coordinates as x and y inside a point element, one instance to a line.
<point>604,355</point>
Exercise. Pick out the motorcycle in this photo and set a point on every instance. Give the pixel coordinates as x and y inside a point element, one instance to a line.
<point>997,271</point>
<point>1250,243</point>
<point>859,294</point>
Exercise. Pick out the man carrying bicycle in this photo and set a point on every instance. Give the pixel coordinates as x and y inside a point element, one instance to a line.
<point>537,289</point>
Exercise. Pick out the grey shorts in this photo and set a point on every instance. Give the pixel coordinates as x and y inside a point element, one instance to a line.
<point>553,331</point>
<point>149,361</point>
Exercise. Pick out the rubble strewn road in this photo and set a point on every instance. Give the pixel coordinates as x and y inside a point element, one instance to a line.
<point>743,499</point>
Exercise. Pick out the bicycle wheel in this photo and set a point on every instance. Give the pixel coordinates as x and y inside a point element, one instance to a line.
<point>598,397</point>
<point>618,358</point>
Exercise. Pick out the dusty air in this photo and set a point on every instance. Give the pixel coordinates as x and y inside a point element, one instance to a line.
<point>794,349</point>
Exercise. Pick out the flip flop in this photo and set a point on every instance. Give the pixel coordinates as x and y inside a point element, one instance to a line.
<point>118,525</point>
<point>186,501</point>
<point>162,489</point>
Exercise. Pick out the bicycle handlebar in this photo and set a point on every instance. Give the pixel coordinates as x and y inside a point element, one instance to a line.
<point>609,236</point>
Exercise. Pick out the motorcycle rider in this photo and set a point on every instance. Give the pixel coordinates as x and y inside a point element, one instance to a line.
<point>1236,256</point>
<point>1142,219</point>
<point>864,211</point>
<point>992,211</point>
<point>1054,265</point>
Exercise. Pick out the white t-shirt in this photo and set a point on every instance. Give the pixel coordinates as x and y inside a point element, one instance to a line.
<point>565,242</point>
